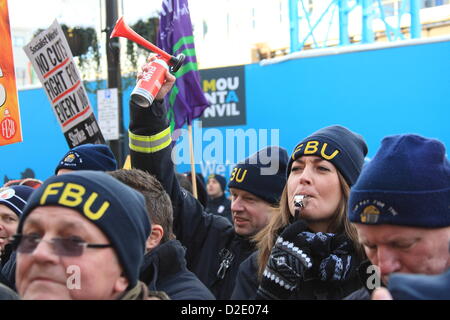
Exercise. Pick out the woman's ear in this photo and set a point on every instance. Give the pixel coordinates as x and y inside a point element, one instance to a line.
<point>155,237</point>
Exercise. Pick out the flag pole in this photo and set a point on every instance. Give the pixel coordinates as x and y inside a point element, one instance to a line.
<point>191,151</point>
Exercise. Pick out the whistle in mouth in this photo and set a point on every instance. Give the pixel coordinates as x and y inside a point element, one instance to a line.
<point>299,204</point>
<point>298,201</point>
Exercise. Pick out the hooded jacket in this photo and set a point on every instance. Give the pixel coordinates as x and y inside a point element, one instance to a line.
<point>164,269</point>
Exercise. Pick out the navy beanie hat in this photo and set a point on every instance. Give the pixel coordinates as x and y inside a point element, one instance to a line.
<point>116,209</point>
<point>15,198</point>
<point>407,183</point>
<point>262,174</point>
<point>220,179</point>
<point>345,149</point>
<point>97,157</point>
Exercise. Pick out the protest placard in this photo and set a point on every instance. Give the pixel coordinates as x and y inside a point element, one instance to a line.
<point>53,62</point>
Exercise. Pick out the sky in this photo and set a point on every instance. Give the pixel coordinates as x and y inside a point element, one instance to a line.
<point>42,13</point>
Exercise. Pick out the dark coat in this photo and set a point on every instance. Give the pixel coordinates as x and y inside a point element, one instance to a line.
<point>7,294</point>
<point>8,272</point>
<point>220,206</point>
<point>360,294</point>
<point>247,279</point>
<point>213,250</point>
<point>164,269</point>
<point>363,293</point>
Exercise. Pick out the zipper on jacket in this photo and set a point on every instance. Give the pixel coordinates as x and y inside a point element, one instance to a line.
<point>227,257</point>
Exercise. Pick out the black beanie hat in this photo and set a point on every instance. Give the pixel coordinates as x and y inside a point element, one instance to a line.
<point>262,174</point>
<point>407,183</point>
<point>116,209</point>
<point>220,179</point>
<point>342,147</point>
<point>97,157</point>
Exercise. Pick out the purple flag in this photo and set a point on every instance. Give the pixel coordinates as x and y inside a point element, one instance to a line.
<point>186,101</point>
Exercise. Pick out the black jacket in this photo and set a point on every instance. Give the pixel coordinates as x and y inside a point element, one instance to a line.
<point>8,271</point>
<point>213,250</point>
<point>164,269</point>
<point>7,294</point>
<point>366,281</point>
<point>220,206</point>
<point>360,294</point>
<point>247,279</point>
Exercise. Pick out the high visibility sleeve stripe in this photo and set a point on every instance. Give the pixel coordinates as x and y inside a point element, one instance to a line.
<point>153,138</point>
<point>150,144</point>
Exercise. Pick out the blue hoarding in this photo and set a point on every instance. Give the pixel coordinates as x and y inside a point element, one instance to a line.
<point>375,93</point>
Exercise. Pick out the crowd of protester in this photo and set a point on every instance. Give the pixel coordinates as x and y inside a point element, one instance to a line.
<point>320,223</point>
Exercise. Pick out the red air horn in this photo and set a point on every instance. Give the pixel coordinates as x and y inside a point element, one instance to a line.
<point>153,79</point>
<point>123,30</point>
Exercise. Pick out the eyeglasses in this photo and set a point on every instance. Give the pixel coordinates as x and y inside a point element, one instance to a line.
<point>68,247</point>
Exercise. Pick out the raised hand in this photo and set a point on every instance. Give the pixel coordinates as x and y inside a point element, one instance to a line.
<point>288,262</point>
<point>169,79</point>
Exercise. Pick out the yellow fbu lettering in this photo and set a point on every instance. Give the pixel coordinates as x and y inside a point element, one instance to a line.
<point>100,212</point>
<point>51,190</point>
<point>325,156</point>
<point>233,174</point>
<point>240,179</point>
<point>296,150</point>
<point>311,147</point>
<point>72,195</point>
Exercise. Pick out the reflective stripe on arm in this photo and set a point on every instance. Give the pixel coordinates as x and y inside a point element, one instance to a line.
<point>150,144</point>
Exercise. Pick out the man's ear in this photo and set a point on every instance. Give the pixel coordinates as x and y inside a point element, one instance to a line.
<point>121,284</point>
<point>155,237</point>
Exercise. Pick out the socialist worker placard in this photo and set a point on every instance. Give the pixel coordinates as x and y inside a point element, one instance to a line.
<point>53,62</point>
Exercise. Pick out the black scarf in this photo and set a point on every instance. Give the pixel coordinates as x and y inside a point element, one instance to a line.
<point>334,256</point>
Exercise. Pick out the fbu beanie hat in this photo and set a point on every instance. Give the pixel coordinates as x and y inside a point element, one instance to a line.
<point>262,174</point>
<point>407,183</point>
<point>342,147</point>
<point>116,209</point>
